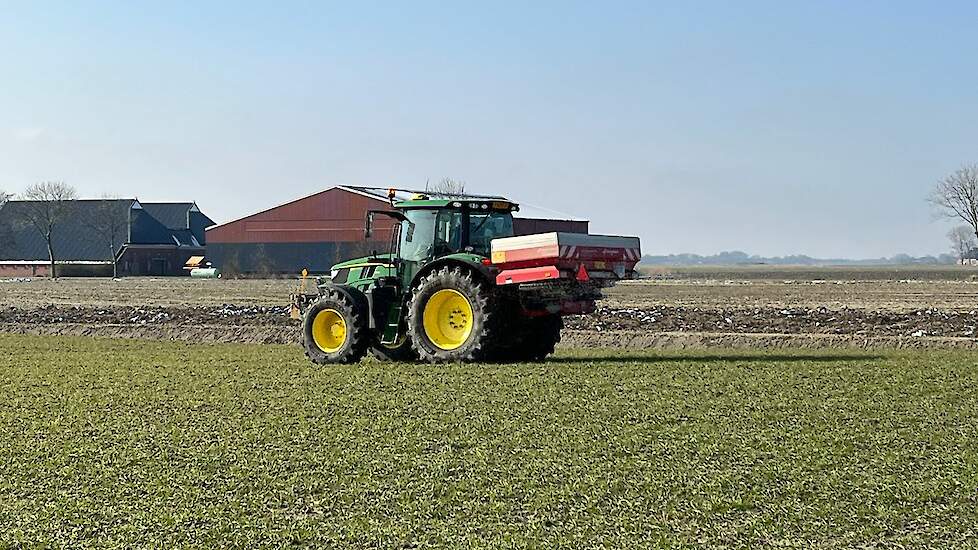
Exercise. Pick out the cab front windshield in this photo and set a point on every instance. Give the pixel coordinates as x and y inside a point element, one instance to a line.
<point>428,233</point>
<point>486,226</point>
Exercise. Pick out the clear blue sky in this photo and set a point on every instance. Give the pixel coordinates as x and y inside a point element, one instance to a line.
<point>772,127</point>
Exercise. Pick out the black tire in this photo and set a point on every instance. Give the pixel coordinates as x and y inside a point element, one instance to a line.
<point>544,336</point>
<point>352,347</point>
<point>479,343</point>
<point>401,352</point>
<point>531,339</point>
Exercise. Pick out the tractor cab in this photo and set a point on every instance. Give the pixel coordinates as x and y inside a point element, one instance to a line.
<point>430,229</point>
<point>427,233</point>
<point>427,230</point>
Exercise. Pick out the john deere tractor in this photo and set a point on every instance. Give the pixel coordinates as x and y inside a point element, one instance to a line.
<point>455,285</point>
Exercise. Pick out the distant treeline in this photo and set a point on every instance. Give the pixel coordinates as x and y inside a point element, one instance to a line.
<point>742,258</point>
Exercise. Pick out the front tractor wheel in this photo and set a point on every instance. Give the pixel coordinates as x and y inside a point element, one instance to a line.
<point>334,331</point>
<point>449,317</point>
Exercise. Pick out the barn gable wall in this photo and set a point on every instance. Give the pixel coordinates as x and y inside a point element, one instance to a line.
<point>334,215</point>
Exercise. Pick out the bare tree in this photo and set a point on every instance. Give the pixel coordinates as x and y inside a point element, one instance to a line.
<point>447,187</point>
<point>50,203</point>
<point>4,197</point>
<point>956,197</point>
<point>109,220</point>
<point>962,240</point>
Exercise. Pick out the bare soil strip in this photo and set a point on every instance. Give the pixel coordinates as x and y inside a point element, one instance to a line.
<point>833,288</point>
<point>821,320</point>
<point>651,327</point>
<point>625,339</point>
<point>252,334</point>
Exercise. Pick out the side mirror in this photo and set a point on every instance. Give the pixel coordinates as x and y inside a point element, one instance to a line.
<point>368,228</point>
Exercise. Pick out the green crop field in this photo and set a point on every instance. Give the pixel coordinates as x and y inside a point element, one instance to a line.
<point>129,443</point>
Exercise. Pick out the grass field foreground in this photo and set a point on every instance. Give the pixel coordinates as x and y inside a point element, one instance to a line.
<point>128,443</point>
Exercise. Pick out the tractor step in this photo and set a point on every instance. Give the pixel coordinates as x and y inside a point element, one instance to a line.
<point>390,336</point>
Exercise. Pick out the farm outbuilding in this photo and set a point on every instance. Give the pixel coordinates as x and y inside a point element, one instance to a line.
<point>970,258</point>
<point>319,230</point>
<point>140,238</point>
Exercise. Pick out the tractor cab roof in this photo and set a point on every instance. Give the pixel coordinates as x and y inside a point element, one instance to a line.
<point>407,199</point>
<point>474,202</point>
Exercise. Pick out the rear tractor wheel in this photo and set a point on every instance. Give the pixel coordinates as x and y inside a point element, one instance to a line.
<point>450,317</point>
<point>334,330</point>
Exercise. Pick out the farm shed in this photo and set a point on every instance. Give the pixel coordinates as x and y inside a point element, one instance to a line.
<point>970,258</point>
<point>319,230</point>
<point>140,238</point>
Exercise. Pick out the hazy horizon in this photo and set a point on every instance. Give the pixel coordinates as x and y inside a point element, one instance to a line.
<point>730,258</point>
<point>761,126</point>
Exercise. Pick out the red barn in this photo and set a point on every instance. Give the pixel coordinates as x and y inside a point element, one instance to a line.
<point>320,230</point>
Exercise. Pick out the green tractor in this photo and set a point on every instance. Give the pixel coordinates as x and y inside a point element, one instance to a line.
<point>456,285</point>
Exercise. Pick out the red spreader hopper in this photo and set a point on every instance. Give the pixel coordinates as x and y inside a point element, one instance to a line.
<point>568,256</point>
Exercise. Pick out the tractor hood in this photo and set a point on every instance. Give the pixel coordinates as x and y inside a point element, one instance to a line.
<point>380,259</point>
<point>361,272</point>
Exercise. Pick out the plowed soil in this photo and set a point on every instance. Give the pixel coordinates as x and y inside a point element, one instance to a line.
<point>692,312</point>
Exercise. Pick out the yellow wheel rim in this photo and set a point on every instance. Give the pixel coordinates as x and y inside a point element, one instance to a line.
<point>448,319</point>
<point>329,330</point>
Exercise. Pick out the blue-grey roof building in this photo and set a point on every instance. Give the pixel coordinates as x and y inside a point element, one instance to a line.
<point>139,238</point>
